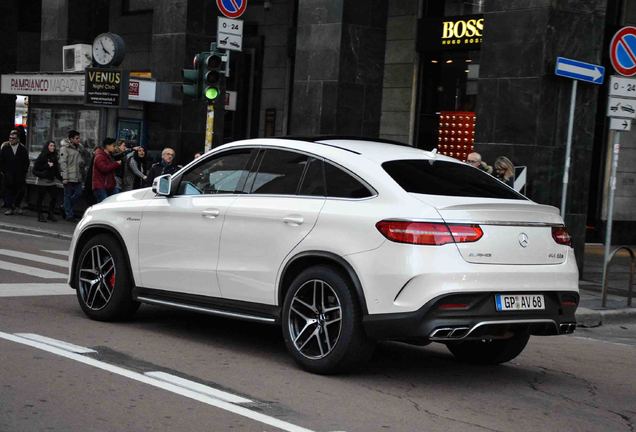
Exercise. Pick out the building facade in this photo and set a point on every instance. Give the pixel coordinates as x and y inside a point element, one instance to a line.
<point>448,74</point>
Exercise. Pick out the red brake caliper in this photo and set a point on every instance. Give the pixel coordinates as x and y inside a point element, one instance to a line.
<point>111,280</point>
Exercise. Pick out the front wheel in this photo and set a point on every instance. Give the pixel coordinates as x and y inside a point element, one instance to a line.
<point>104,283</point>
<point>489,351</point>
<point>322,322</point>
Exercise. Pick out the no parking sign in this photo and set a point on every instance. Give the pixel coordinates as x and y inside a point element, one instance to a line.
<point>623,51</point>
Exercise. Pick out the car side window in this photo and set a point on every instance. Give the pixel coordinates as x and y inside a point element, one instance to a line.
<point>340,184</point>
<point>217,175</point>
<point>279,173</point>
<point>314,180</point>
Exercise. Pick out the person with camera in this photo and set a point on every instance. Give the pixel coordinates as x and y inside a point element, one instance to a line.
<point>46,170</point>
<point>104,168</point>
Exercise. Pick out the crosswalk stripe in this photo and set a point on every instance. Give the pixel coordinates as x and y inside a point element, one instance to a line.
<point>33,271</point>
<point>35,289</point>
<point>33,257</point>
<point>57,252</point>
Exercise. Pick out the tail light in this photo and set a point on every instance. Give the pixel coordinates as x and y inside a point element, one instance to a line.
<point>561,236</point>
<point>428,233</point>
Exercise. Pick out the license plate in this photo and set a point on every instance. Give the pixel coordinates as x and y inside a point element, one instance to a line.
<point>517,302</point>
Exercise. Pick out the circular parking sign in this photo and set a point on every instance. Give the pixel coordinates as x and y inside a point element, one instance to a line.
<point>232,8</point>
<point>623,51</point>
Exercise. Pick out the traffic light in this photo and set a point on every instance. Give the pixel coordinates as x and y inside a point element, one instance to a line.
<point>193,78</point>
<point>215,71</point>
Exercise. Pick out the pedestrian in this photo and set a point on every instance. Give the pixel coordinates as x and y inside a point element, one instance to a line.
<point>72,167</point>
<point>104,168</point>
<point>197,155</point>
<point>121,153</point>
<point>165,166</point>
<point>46,170</point>
<point>14,165</point>
<point>136,169</point>
<point>474,159</point>
<point>505,170</point>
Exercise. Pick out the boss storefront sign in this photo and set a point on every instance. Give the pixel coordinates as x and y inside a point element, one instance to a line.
<point>106,87</point>
<point>448,33</point>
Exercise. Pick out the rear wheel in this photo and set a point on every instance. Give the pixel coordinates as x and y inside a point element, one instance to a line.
<point>489,351</point>
<point>104,283</point>
<point>322,322</point>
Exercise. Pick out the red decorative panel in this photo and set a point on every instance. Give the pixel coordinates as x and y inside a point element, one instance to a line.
<point>456,134</point>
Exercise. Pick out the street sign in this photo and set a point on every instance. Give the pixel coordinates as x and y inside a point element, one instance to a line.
<point>619,124</point>
<point>232,8</point>
<point>620,107</point>
<point>624,87</point>
<point>579,70</point>
<point>229,34</point>
<point>623,51</point>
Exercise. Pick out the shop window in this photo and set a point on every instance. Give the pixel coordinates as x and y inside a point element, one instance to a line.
<point>53,124</point>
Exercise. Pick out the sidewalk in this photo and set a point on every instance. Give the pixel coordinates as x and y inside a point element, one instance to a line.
<point>589,314</point>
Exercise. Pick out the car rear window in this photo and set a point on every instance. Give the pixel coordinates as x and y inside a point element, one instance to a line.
<point>436,177</point>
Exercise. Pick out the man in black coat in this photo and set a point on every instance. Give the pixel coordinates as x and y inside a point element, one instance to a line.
<point>14,165</point>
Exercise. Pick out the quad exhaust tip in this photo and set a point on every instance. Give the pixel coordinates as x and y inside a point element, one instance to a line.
<point>539,326</point>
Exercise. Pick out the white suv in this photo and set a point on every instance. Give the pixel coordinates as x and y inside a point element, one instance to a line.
<point>342,242</point>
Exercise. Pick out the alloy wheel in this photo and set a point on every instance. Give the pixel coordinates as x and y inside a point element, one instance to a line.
<point>97,276</point>
<point>315,319</point>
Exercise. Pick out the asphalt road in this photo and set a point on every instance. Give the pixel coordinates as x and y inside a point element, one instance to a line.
<point>118,382</point>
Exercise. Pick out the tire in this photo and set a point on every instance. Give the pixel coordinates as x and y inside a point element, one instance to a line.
<point>489,352</point>
<point>322,322</point>
<point>104,283</point>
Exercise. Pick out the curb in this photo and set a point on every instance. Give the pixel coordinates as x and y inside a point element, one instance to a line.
<point>37,231</point>
<point>593,318</point>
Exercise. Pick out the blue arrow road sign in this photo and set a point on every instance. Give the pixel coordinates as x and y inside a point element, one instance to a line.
<point>579,70</point>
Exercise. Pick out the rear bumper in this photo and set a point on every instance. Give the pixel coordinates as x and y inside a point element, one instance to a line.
<point>480,319</point>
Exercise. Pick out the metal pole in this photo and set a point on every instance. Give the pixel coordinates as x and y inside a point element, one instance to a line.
<point>568,149</point>
<point>610,213</point>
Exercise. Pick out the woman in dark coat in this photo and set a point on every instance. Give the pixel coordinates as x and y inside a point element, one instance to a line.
<point>46,169</point>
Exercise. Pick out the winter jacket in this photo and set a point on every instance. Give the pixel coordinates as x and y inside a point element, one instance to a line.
<point>72,161</point>
<point>45,174</point>
<point>160,168</point>
<point>134,171</point>
<point>14,167</point>
<point>104,170</point>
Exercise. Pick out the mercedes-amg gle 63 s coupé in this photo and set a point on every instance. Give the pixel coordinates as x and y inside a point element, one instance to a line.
<point>341,242</point>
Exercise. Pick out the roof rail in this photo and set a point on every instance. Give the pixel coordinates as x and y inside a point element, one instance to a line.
<point>320,139</point>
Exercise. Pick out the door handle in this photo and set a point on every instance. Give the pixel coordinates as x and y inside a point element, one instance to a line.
<point>293,220</point>
<point>211,213</point>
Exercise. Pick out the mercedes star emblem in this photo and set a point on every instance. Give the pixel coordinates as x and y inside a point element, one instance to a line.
<point>523,239</point>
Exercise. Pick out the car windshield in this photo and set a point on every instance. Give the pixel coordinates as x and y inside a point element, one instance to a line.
<point>437,177</point>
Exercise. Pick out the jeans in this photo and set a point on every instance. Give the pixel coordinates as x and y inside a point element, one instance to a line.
<point>72,193</point>
<point>51,191</point>
<point>102,194</point>
<point>13,194</point>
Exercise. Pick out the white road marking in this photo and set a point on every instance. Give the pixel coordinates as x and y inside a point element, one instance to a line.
<point>212,401</point>
<point>604,341</point>
<point>199,388</point>
<point>35,289</point>
<point>33,257</point>
<point>33,271</point>
<point>19,233</point>
<point>57,252</point>
<point>56,343</point>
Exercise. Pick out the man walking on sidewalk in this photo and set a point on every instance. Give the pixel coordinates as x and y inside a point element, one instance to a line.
<point>72,166</point>
<point>14,164</point>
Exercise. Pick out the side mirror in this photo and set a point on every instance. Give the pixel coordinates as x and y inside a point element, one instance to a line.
<point>162,185</point>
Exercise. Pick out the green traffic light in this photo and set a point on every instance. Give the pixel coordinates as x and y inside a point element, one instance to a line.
<point>211,93</point>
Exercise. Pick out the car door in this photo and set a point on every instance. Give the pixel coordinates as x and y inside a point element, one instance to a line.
<point>264,225</point>
<point>179,235</point>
